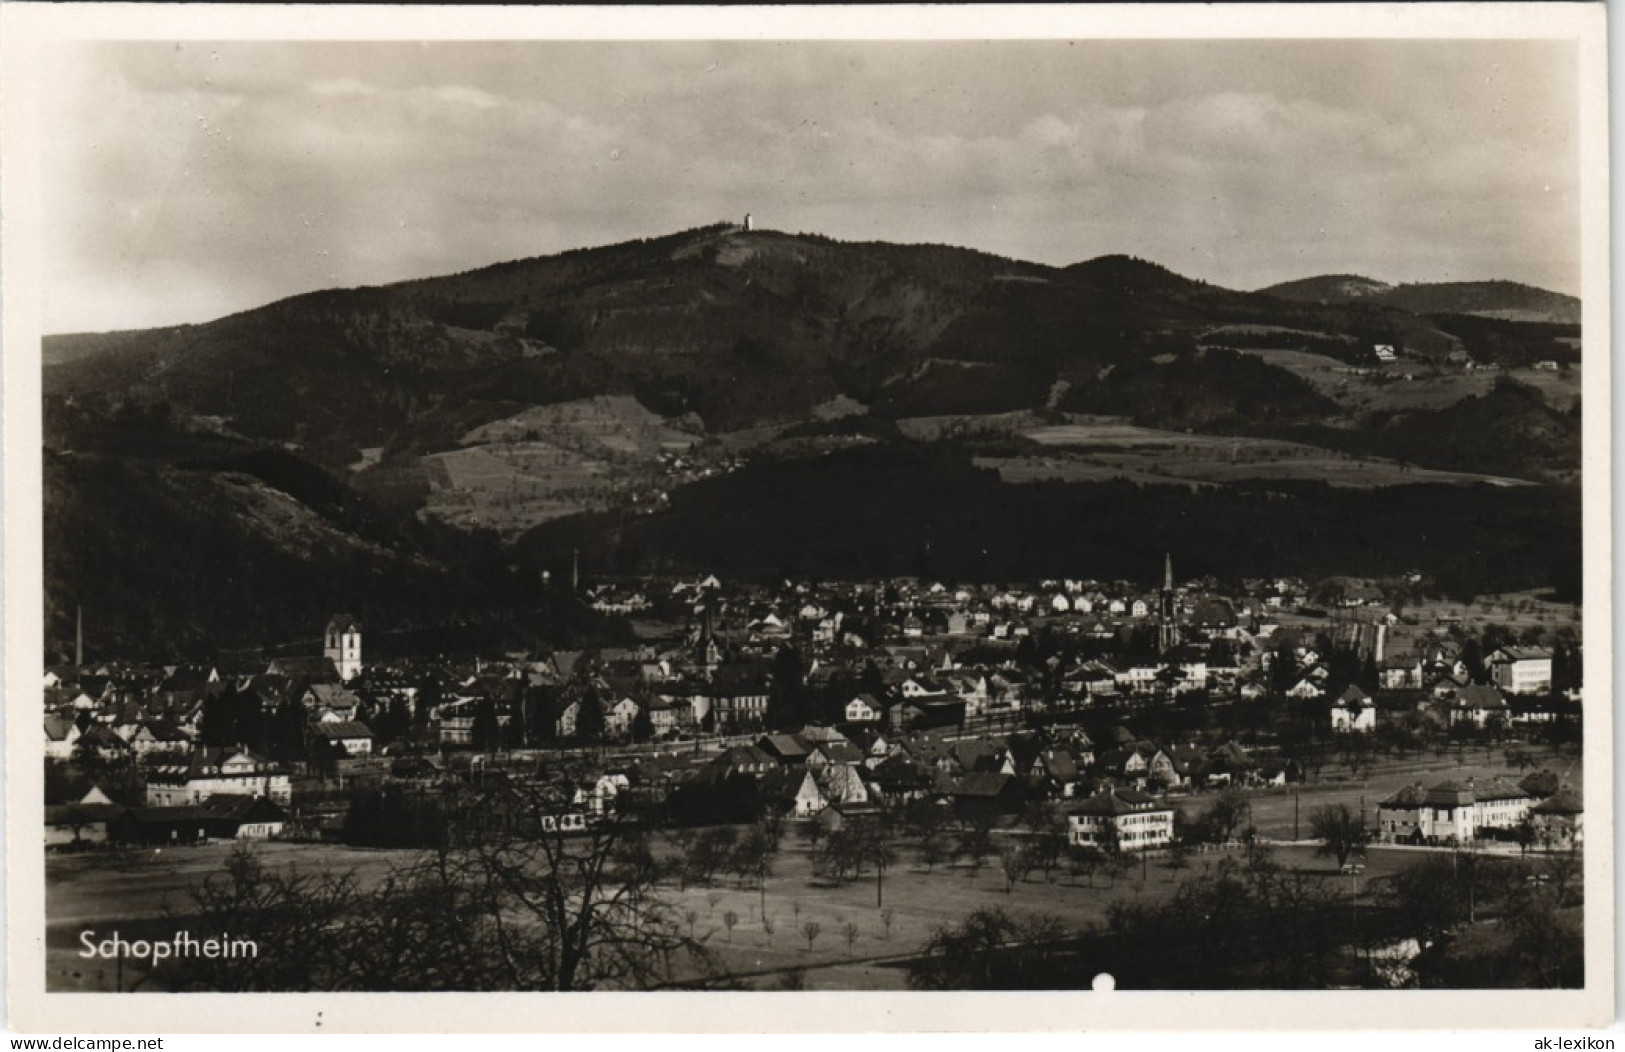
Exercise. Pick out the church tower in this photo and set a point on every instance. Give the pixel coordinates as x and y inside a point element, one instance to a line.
<point>343,646</point>
<point>1167,609</point>
<point>747,227</point>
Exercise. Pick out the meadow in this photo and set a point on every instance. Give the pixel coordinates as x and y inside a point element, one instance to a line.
<point>760,934</point>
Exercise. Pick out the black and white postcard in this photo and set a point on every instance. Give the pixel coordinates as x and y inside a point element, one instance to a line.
<point>705,507</point>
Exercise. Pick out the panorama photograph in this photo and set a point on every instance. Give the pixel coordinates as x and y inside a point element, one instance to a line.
<point>752,515</point>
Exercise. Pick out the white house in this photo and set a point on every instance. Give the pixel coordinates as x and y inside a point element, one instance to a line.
<point>1354,712</point>
<point>212,770</point>
<point>1522,670</point>
<point>864,708</point>
<point>618,717</point>
<point>61,735</point>
<point>1450,812</point>
<point>353,736</point>
<point>1478,705</point>
<point>1139,821</point>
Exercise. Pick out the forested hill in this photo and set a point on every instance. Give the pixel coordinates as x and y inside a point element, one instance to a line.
<point>386,439</point>
<point>1508,300</point>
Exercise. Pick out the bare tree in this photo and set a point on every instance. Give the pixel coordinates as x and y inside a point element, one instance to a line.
<point>1339,830</point>
<point>849,932</point>
<point>810,931</point>
<point>506,901</point>
<point>1016,863</point>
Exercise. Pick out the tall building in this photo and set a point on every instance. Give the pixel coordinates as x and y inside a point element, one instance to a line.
<point>1167,608</point>
<point>343,646</point>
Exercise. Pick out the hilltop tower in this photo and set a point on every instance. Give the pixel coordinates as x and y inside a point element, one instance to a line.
<point>747,226</point>
<point>343,646</point>
<point>1167,609</point>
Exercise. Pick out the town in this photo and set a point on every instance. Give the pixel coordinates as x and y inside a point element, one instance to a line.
<point>1061,726</point>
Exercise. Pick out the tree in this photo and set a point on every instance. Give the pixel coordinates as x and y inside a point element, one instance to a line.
<point>874,847</point>
<point>1049,837</point>
<point>485,728</point>
<point>1524,833</point>
<point>730,920</point>
<point>590,726</point>
<point>1339,830</point>
<point>976,842</point>
<point>810,931</point>
<point>785,701</point>
<point>1083,861</point>
<point>849,932</point>
<point>323,756</point>
<point>989,950</point>
<point>933,851</point>
<point>590,914</point>
<point>1424,897</point>
<point>710,852</point>
<point>839,854</point>
<point>643,727</point>
<point>508,903</point>
<point>1178,857</point>
<point>1016,863</point>
<point>1219,820</point>
<point>753,858</point>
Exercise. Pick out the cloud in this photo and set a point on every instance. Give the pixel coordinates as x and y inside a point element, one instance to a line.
<point>206,179</point>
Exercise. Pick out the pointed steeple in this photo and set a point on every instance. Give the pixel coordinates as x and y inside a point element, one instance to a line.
<point>1167,612</point>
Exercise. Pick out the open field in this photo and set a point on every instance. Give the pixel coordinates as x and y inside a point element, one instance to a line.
<point>1104,448</point>
<point>1519,612</point>
<point>931,428</point>
<point>555,460</point>
<point>1384,387</point>
<point>606,424</point>
<point>147,892</point>
<point>1146,467</point>
<point>84,894</point>
<point>1324,373</point>
<point>1282,814</point>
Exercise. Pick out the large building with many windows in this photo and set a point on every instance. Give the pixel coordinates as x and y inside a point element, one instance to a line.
<point>1128,818</point>
<point>1522,670</point>
<point>1450,812</point>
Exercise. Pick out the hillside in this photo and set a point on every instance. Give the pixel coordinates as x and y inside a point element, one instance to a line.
<point>1328,288</point>
<point>420,428</point>
<point>928,511</point>
<point>1506,300</point>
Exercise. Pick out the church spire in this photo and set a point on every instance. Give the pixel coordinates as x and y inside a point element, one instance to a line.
<point>1167,610</point>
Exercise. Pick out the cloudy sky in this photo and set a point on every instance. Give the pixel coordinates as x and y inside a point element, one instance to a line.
<point>183,182</point>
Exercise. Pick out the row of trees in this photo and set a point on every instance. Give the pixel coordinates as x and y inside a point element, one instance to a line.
<point>1255,924</point>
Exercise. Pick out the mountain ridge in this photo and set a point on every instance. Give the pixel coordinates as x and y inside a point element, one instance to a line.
<point>1510,300</point>
<point>432,421</point>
